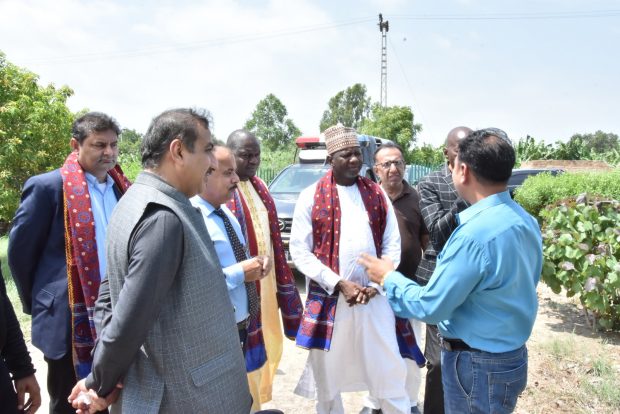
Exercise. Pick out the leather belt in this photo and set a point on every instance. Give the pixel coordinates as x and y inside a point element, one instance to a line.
<point>450,344</point>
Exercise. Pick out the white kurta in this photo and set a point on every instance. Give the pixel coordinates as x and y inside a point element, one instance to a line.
<point>364,352</point>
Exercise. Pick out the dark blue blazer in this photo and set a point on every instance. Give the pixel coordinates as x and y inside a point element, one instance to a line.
<point>38,264</point>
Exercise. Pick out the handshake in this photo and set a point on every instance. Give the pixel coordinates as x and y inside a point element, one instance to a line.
<point>87,401</point>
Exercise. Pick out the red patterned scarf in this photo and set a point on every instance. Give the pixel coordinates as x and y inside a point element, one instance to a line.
<point>318,321</point>
<point>82,261</point>
<point>287,295</point>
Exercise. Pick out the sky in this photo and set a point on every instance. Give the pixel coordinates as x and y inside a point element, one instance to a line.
<point>546,68</point>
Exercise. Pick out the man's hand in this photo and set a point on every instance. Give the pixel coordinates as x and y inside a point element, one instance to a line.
<point>350,290</point>
<point>376,268</point>
<point>267,265</point>
<point>371,292</point>
<point>30,386</point>
<point>87,401</point>
<point>253,268</point>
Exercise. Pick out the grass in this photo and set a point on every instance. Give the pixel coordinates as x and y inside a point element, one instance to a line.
<point>575,376</point>
<point>11,289</point>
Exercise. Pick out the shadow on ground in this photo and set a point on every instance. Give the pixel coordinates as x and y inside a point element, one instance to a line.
<point>570,318</point>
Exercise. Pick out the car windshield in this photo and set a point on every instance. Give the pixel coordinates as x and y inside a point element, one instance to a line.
<point>296,178</point>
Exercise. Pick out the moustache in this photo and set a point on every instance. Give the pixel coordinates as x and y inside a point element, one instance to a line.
<point>233,188</point>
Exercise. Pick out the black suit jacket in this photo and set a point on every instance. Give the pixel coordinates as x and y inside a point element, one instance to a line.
<point>439,203</point>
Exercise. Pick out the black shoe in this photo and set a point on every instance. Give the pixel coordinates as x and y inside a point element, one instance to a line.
<point>368,410</point>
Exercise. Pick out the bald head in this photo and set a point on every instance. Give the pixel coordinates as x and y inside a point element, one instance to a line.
<point>239,137</point>
<point>246,148</point>
<point>451,146</point>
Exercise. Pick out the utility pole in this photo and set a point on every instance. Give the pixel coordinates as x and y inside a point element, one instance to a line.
<point>384,27</point>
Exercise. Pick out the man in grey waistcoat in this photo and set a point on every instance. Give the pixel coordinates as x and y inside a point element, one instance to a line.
<point>167,326</point>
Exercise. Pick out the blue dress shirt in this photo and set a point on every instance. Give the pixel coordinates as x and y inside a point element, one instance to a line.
<point>483,290</point>
<point>233,271</point>
<point>102,200</point>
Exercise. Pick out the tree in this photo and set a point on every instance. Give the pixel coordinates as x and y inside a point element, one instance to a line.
<point>427,155</point>
<point>269,122</point>
<point>598,142</point>
<point>349,107</point>
<point>394,123</point>
<point>129,146</point>
<point>35,126</point>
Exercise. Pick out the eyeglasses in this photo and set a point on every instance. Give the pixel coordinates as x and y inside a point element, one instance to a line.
<point>386,165</point>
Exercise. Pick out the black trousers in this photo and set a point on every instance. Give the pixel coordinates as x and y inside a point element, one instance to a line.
<point>433,393</point>
<point>7,391</point>
<point>60,381</point>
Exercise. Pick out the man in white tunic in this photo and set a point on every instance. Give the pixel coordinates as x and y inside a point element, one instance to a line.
<point>347,324</point>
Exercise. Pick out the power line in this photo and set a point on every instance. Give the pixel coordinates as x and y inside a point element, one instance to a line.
<point>514,16</point>
<point>254,37</point>
<point>202,44</point>
<point>402,70</point>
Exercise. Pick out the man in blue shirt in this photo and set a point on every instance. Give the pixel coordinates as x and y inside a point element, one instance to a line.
<point>241,272</point>
<point>57,250</point>
<point>482,294</point>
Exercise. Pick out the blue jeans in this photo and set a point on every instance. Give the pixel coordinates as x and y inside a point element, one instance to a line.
<point>483,382</point>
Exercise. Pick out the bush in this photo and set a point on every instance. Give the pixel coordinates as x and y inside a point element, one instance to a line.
<point>544,189</point>
<point>582,255</point>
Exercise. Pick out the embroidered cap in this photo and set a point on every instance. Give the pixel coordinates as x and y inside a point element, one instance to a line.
<point>339,137</point>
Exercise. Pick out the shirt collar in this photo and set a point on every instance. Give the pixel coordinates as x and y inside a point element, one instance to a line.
<point>204,203</point>
<point>487,202</point>
<point>92,180</point>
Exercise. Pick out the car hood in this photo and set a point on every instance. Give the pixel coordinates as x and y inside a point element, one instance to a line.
<point>285,203</point>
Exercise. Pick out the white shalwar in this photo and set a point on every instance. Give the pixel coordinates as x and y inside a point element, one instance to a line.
<point>364,352</point>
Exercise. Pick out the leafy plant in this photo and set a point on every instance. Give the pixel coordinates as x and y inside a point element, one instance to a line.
<point>544,189</point>
<point>582,255</point>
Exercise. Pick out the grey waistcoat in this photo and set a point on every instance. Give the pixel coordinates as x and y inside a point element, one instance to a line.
<point>191,361</point>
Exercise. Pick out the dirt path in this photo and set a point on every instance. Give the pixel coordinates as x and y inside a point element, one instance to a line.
<point>553,384</point>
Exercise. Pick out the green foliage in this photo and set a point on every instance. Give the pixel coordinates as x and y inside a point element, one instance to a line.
<point>11,289</point>
<point>349,107</point>
<point>35,126</point>
<point>394,123</point>
<point>129,146</point>
<point>270,123</point>
<point>427,155</point>
<point>544,189</point>
<point>273,161</point>
<point>278,158</point>
<point>598,146</point>
<point>131,169</point>
<point>529,149</point>
<point>599,142</point>
<point>582,255</point>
